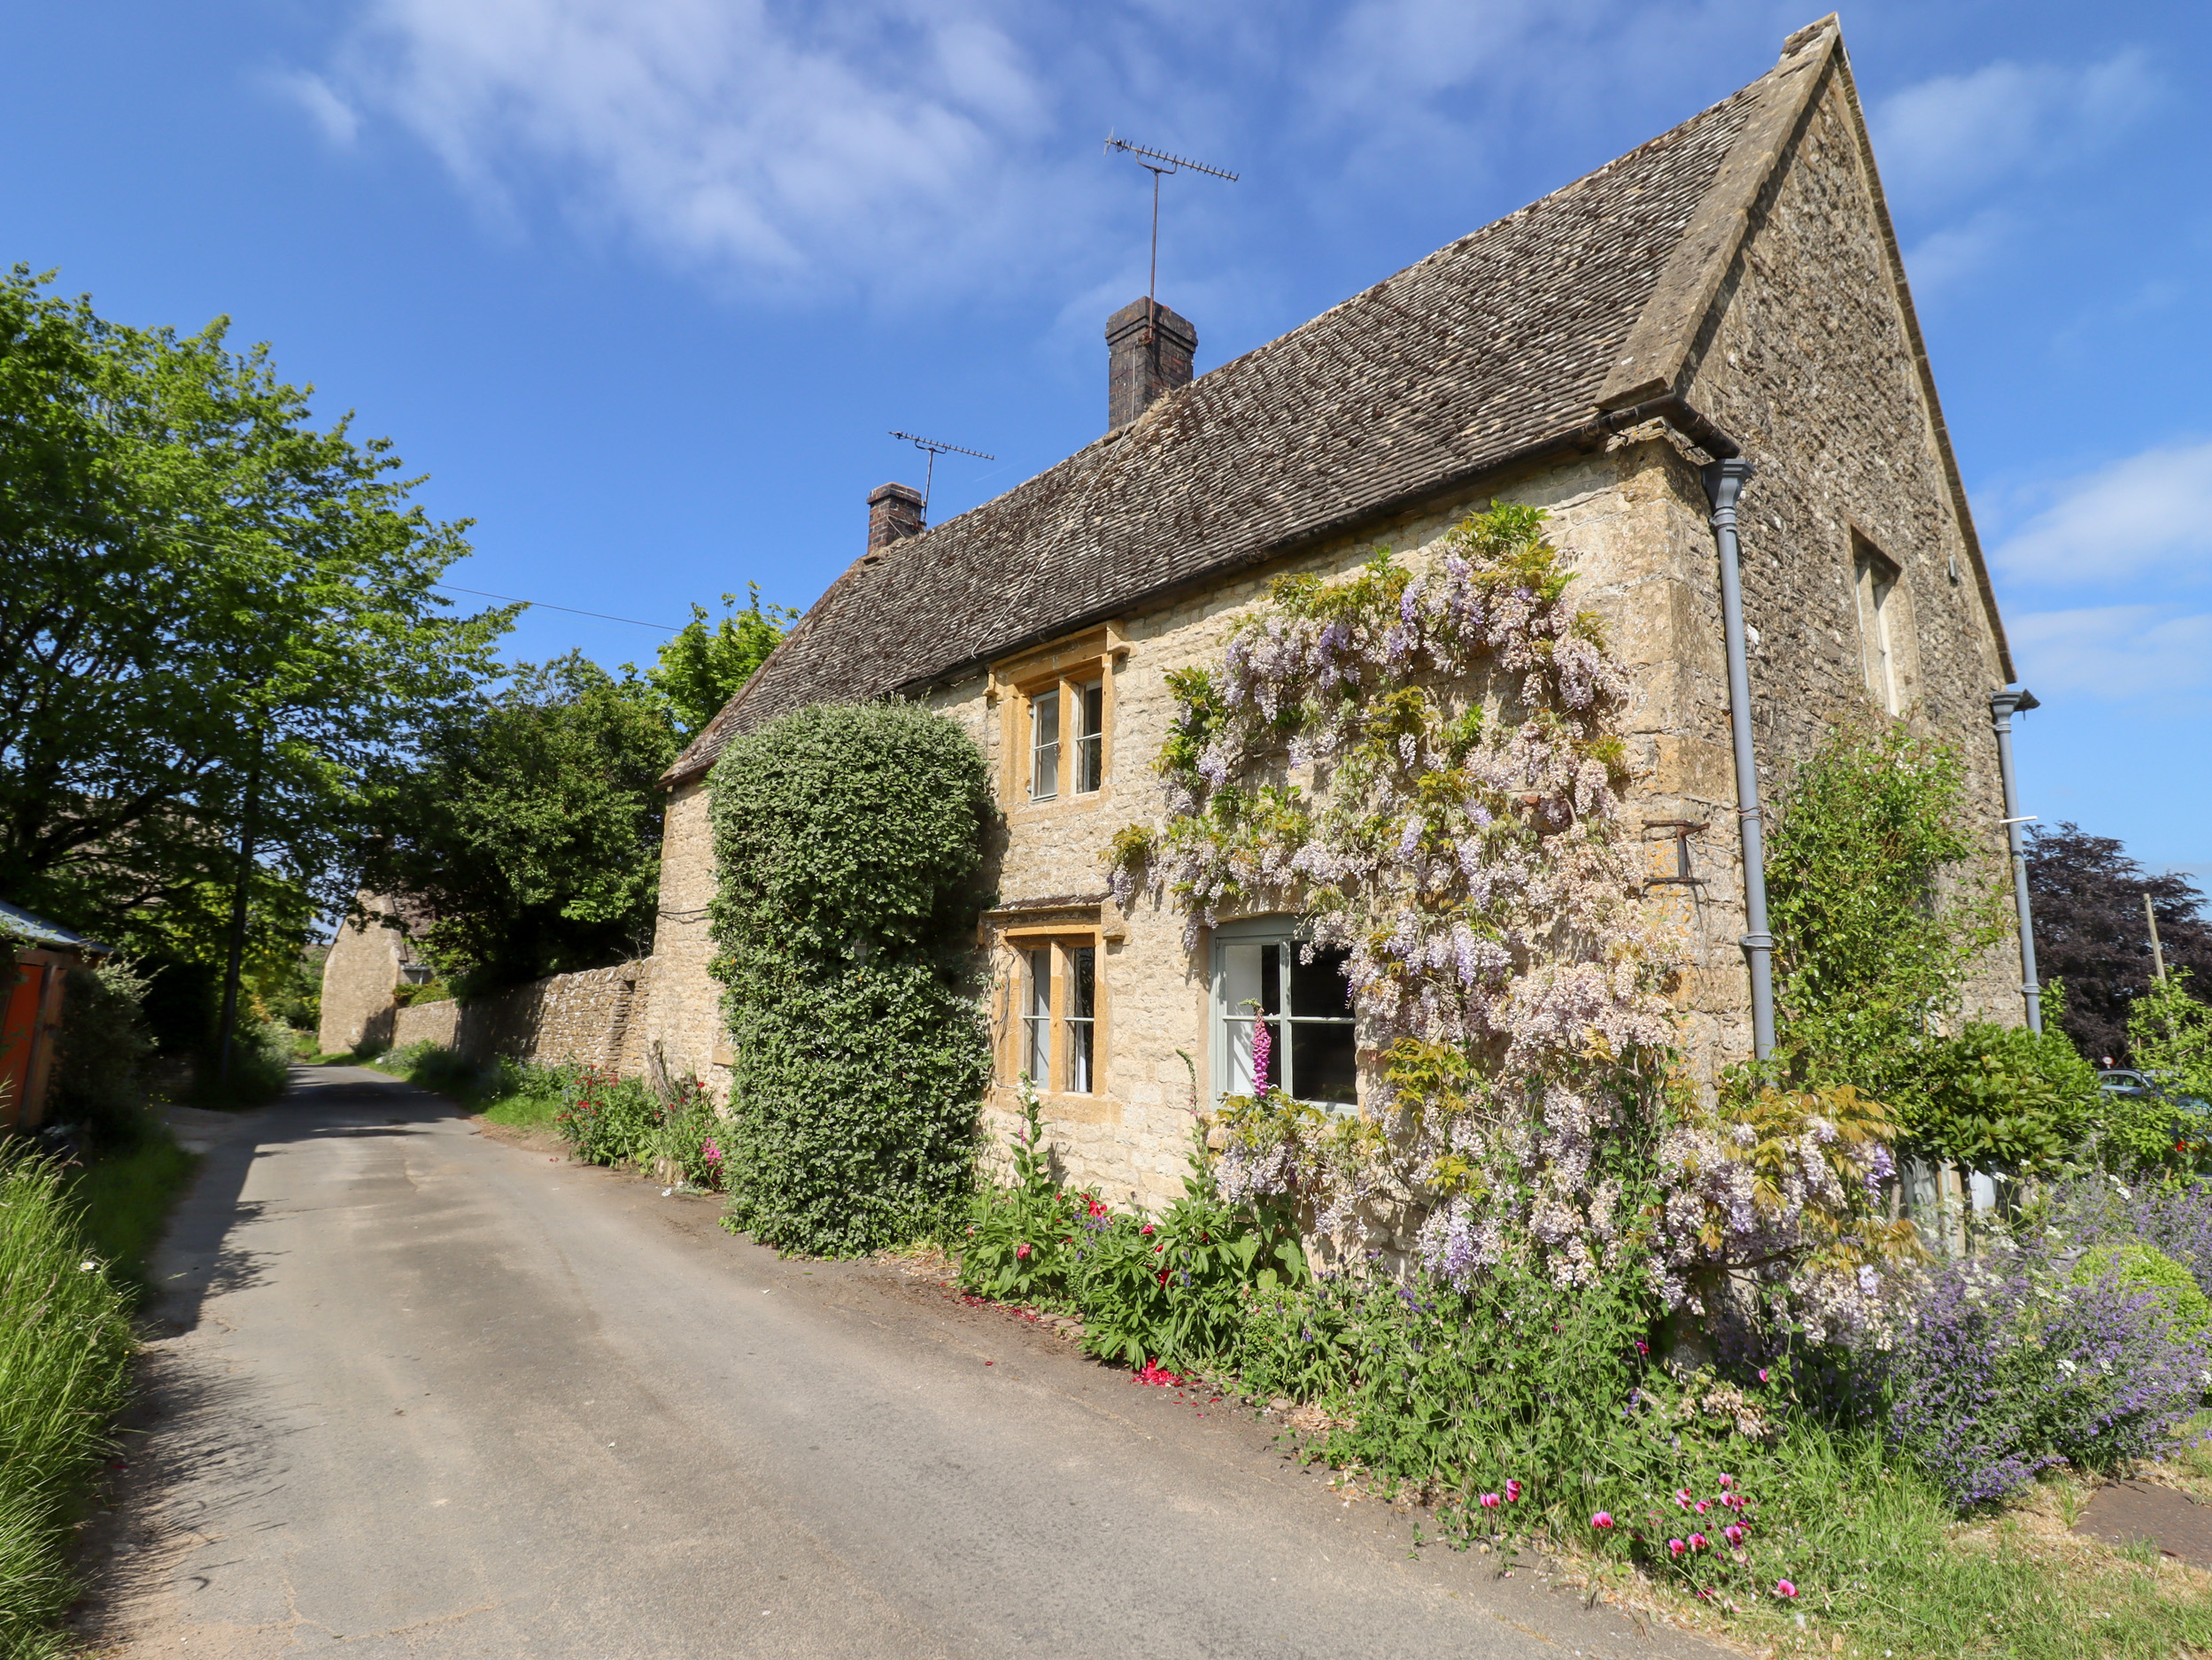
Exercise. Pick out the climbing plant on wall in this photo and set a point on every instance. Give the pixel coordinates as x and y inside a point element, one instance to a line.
<point>850,843</point>
<point>1426,765</point>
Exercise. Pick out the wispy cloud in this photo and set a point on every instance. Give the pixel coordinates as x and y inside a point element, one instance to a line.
<point>802,147</point>
<point>338,121</point>
<point>1946,138</point>
<point>2147,515</point>
<point>2114,652</point>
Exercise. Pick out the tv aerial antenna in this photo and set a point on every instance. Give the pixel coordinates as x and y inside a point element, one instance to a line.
<point>937,447</point>
<point>1158,163</point>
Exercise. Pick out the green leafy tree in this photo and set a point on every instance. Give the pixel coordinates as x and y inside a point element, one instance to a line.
<point>1882,905</point>
<point>216,616</point>
<point>702,667</point>
<point>2003,1097</point>
<point>531,829</point>
<point>2169,1036</point>
<point>850,840</point>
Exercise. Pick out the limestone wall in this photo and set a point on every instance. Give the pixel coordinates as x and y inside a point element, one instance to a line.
<point>359,973</point>
<point>597,1018</point>
<point>1812,363</point>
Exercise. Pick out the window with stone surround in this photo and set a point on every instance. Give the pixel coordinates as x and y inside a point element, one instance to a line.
<point>1056,1039</point>
<point>1263,975</point>
<point>1057,704</point>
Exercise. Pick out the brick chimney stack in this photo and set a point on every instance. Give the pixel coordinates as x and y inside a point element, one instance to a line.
<point>1148,355</point>
<point>894,512</point>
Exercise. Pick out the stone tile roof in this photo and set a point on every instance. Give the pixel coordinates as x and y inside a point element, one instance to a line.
<point>1496,343</point>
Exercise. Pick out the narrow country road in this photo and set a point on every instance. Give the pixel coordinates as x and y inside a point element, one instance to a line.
<point>422,1393</point>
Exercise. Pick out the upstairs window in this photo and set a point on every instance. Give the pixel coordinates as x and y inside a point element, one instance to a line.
<point>1057,745</point>
<point>1044,745</point>
<point>1260,982</point>
<point>1090,736</point>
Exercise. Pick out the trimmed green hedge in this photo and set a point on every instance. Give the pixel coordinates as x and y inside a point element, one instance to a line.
<point>850,839</point>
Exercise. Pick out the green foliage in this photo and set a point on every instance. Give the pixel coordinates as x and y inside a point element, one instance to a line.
<point>1180,1291</point>
<point>531,829</point>
<point>610,1120</point>
<point>1019,1243</point>
<point>850,843</point>
<point>2137,1265</point>
<point>99,1078</point>
<point>215,618</point>
<point>65,1372</point>
<point>2002,1097</point>
<point>125,1197</point>
<point>2169,1036</point>
<point>702,667</point>
<point>261,1055</point>
<point>1876,926</point>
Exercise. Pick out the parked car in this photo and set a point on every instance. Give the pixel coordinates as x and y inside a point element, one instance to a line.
<point>2139,1086</point>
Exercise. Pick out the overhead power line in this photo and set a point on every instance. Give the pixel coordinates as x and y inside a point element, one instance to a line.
<point>545,605</point>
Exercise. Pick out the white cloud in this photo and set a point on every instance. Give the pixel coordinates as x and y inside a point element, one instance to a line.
<point>339,121</point>
<point>2113,651</point>
<point>886,139</point>
<point>1945,257</point>
<point>2148,514</point>
<point>1945,137</point>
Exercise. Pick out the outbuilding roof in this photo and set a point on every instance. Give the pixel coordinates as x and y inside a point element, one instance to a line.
<point>26,927</point>
<point>1507,339</point>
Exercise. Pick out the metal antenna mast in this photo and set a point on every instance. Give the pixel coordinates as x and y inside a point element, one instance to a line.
<point>1157,162</point>
<point>935,449</point>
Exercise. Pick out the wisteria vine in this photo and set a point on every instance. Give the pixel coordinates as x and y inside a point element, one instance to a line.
<point>1425,764</point>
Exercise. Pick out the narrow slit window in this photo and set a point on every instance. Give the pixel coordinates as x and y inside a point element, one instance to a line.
<point>1037,1017</point>
<point>1876,579</point>
<point>1082,1018</point>
<point>1090,737</point>
<point>1044,747</point>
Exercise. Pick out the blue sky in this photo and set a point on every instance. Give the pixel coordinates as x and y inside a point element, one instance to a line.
<point>640,284</point>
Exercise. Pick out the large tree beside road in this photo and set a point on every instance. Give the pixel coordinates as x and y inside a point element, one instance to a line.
<point>216,616</point>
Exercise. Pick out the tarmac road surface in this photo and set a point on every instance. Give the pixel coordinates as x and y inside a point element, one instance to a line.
<point>421,1393</point>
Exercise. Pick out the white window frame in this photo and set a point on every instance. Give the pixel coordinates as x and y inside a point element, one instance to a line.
<point>1044,754</point>
<point>1289,933</point>
<point>1036,1045</point>
<point>1088,698</point>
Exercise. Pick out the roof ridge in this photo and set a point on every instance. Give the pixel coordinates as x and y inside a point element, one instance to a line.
<point>1658,345</point>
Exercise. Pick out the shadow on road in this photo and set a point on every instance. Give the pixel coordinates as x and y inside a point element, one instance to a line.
<point>320,1102</point>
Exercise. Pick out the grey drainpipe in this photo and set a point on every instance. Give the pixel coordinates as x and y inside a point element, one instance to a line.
<point>2002,706</point>
<point>1724,482</point>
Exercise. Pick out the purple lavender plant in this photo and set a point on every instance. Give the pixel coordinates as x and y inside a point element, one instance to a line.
<point>2006,1368</point>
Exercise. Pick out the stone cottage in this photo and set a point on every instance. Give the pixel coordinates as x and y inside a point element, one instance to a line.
<point>1731,289</point>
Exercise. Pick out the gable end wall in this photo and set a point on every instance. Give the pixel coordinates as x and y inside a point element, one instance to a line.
<point>1810,360</point>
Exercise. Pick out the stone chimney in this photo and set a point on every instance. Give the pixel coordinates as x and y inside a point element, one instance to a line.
<point>894,512</point>
<point>1148,355</point>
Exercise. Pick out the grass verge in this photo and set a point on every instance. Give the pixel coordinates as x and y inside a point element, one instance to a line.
<point>64,1371</point>
<point>124,1200</point>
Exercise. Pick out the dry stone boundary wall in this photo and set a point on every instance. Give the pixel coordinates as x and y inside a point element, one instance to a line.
<point>596,1018</point>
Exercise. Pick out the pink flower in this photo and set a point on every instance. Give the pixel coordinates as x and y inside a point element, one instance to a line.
<point>1263,1050</point>
<point>1489,1501</point>
<point>1642,1347</point>
<point>1732,1534</point>
<point>1783,1587</point>
<point>1682,1497</point>
<point>1512,1493</point>
<point>1146,1229</point>
<point>1675,1548</point>
<point>1762,1374</point>
<point>1701,1507</point>
<point>1021,1251</point>
<point>1602,1520</point>
<point>1699,1542</point>
<point>1727,1480</point>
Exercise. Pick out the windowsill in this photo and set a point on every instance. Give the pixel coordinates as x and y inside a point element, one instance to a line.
<point>1051,805</point>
